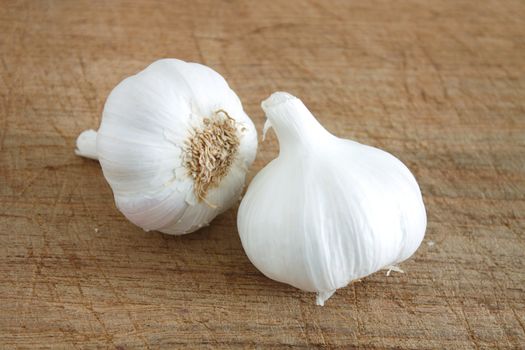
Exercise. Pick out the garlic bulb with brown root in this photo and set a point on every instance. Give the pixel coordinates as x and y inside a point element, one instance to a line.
<point>174,145</point>
<point>327,211</point>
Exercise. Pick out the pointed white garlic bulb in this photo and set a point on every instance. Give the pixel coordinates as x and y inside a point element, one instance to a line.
<point>174,145</point>
<point>327,211</point>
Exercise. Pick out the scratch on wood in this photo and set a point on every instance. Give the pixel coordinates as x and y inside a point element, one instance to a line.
<point>89,306</point>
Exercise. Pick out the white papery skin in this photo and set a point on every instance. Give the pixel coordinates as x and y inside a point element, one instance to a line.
<point>146,121</point>
<point>327,211</point>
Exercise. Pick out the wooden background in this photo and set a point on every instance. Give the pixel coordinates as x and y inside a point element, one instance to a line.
<point>439,84</point>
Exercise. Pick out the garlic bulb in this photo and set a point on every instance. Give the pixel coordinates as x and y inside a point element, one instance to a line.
<point>174,145</point>
<point>327,211</point>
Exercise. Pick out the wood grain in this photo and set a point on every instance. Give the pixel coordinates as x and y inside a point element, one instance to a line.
<point>440,84</point>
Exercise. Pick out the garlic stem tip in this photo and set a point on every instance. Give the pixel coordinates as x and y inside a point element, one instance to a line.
<point>267,126</point>
<point>277,98</point>
<point>323,296</point>
<point>87,144</point>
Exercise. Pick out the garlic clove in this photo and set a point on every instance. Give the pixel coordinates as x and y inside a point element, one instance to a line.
<point>174,145</point>
<point>153,211</point>
<point>327,211</point>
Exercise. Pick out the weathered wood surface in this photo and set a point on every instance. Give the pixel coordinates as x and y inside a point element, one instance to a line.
<point>439,84</point>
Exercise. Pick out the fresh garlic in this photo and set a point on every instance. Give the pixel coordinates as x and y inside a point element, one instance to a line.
<point>327,211</point>
<point>174,145</point>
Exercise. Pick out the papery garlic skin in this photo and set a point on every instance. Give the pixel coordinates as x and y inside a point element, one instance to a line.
<point>144,146</point>
<point>327,211</point>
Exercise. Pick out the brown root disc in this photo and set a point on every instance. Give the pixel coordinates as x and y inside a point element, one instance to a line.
<point>210,151</point>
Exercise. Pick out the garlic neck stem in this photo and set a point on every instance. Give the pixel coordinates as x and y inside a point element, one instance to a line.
<point>293,123</point>
<point>87,144</point>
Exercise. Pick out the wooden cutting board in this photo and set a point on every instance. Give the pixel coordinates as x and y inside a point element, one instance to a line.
<point>440,84</point>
